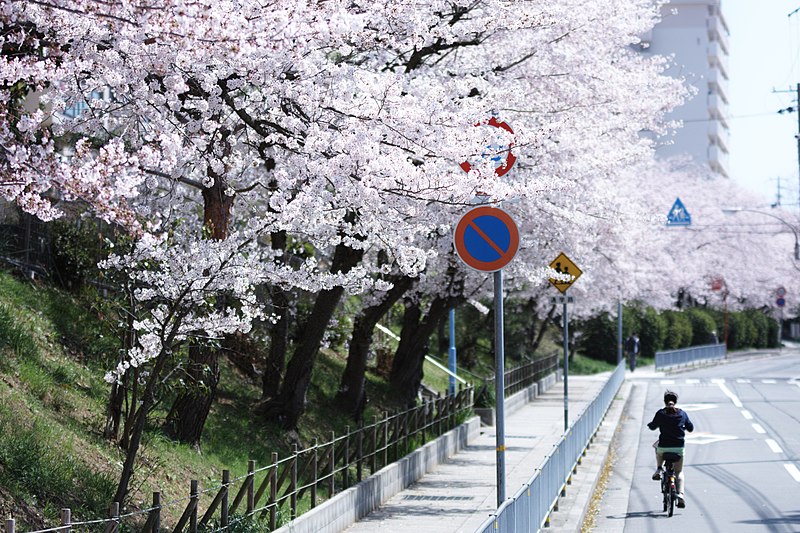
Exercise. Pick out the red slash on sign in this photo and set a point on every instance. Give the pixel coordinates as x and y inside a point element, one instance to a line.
<point>486,239</point>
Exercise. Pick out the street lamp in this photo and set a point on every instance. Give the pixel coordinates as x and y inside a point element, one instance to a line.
<point>734,210</point>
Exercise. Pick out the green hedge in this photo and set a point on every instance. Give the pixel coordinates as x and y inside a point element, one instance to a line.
<point>675,329</point>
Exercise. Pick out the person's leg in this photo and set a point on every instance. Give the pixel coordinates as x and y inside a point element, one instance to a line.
<point>678,467</point>
<point>659,462</point>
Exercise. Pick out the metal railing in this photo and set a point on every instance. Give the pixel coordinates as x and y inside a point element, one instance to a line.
<point>530,507</point>
<point>687,356</point>
<point>527,374</point>
<point>280,491</point>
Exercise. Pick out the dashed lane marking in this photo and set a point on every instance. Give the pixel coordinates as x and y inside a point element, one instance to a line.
<point>692,381</point>
<point>759,429</point>
<point>742,380</point>
<point>717,381</point>
<point>668,382</point>
<point>793,471</point>
<point>774,446</point>
<point>746,414</point>
<point>768,381</point>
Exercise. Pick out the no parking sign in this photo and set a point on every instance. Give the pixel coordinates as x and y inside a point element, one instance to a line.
<point>486,239</point>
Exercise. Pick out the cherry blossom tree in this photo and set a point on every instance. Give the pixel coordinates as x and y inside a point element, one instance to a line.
<point>338,129</point>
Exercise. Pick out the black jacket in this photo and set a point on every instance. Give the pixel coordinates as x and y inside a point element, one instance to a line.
<point>673,427</point>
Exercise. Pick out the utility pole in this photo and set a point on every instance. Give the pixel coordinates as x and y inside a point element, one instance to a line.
<point>794,109</point>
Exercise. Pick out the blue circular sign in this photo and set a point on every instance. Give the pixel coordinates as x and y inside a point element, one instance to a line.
<point>486,239</point>
<point>780,302</point>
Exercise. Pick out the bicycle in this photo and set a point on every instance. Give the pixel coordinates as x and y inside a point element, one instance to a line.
<point>668,480</point>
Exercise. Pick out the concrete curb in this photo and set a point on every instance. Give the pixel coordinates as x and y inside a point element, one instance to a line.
<point>573,507</point>
<point>347,507</point>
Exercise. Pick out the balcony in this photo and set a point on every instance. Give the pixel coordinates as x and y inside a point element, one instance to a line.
<point>719,134</point>
<point>718,31</point>
<point>718,160</point>
<point>717,83</point>
<point>718,108</point>
<point>718,57</point>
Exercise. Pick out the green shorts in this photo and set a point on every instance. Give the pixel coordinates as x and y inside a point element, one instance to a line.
<point>677,451</point>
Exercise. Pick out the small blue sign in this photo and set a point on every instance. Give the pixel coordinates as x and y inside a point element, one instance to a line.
<point>780,302</point>
<point>678,215</point>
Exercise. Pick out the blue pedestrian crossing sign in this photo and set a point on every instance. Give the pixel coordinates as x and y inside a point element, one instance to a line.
<point>678,215</point>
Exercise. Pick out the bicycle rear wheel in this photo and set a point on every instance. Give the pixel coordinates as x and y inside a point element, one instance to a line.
<point>665,493</point>
<point>672,496</point>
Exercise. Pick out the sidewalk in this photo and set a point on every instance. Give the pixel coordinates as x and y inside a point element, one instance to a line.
<point>460,494</point>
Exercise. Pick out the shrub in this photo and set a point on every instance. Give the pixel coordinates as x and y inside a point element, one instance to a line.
<point>703,325</point>
<point>652,332</point>
<point>679,329</point>
<point>599,337</point>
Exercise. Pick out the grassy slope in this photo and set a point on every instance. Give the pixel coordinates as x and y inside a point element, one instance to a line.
<point>54,351</point>
<point>53,355</point>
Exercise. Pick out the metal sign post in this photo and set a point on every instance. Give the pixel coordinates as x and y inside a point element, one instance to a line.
<point>563,265</point>
<point>486,239</point>
<point>451,355</point>
<point>566,368</point>
<point>499,387</point>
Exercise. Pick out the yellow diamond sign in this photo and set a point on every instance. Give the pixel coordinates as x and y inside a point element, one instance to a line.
<point>563,265</point>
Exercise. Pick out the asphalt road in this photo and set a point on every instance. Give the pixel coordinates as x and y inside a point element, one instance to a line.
<point>743,459</point>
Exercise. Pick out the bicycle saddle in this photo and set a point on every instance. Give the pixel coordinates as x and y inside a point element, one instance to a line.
<point>670,457</point>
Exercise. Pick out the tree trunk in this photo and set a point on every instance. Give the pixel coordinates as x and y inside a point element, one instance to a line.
<point>352,394</point>
<point>407,370</point>
<point>289,405</point>
<point>119,390</point>
<point>279,333</point>
<point>191,408</point>
<point>137,429</point>
<point>188,415</point>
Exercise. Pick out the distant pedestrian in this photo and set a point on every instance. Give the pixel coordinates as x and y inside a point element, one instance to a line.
<point>632,348</point>
<point>713,338</point>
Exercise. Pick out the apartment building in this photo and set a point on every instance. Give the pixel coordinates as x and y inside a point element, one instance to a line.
<point>694,33</point>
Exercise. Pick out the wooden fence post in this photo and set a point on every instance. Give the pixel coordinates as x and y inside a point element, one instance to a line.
<point>194,496</point>
<point>156,512</point>
<point>223,513</point>
<point>66,519</point>
<point>273,492</point>
<point>251,484</point>
<point>111,527</point>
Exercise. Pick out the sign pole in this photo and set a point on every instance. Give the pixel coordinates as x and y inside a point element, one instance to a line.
<point>451,358</point>
<point>619,331</point>
<point>499,387</point>
<point>566,368</point>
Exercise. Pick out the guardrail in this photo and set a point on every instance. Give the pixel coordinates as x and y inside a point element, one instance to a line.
<point>530,507</point>
<point>522,376</point>
<point>686,356</point>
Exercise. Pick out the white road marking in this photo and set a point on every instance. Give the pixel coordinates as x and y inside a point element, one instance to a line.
<point>758,428</point>
<point>768,381</point>
<point>746,414</point>
<point>698,406</point>
<point>692,381</point>
<point>742,381</point>
<point>793,471</point>
<point>773,446</point>
<point>727,392</point>
<point>717,381</point>
<point>668,382</point>
<point>707,438</point>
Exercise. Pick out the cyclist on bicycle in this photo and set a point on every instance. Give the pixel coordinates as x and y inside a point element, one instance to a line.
<point>673,424</point>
